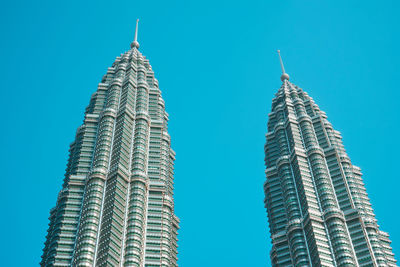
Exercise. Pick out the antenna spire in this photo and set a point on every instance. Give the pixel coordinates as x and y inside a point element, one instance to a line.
<point>284,75</point>
<point>135,42</point>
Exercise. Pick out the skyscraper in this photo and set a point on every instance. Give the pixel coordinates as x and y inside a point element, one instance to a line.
<point>116,204</point>
<point>318,209</point>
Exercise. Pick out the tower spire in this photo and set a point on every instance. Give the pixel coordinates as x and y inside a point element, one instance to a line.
<point>135,42</point>
<point>284,75</point>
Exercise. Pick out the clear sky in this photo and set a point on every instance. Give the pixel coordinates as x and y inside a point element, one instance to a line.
<point>218,70</point>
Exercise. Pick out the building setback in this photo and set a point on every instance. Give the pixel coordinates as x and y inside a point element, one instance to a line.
<point>116,204</point>
<point>318,209</point>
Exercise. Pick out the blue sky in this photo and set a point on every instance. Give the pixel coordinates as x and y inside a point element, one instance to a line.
<point>218,69</point>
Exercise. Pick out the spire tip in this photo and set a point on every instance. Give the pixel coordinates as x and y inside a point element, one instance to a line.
<point>284,75</point>
<point>135,42</point>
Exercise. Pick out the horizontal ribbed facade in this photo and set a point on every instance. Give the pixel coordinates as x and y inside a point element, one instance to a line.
<point>116,204</point>
<point>318,209</point>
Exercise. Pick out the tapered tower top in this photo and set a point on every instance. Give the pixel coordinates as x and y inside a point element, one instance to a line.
<point>135,42</point>
<point>284,75</point>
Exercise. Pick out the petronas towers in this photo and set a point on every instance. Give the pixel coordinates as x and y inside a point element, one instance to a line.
<point>318,209</point>
<point>116,205</point>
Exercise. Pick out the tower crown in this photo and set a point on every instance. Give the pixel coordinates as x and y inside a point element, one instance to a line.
<point>284,75</point>
<point>297,187</point>
<point>135,42</point>
<point>113,148</point>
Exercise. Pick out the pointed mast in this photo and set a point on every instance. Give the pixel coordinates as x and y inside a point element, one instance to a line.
<point>135,42</point>
<point>284,75</point>
<point>280,59</point>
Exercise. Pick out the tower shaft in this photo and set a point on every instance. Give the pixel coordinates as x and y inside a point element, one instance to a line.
<point>116,205</point>
<point>318,209</point>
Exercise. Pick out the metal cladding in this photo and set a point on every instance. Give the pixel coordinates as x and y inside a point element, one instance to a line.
<point>318,209</point>
<point>116,205</point>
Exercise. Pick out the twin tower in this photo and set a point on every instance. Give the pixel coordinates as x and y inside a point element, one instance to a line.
<point>116,204</point>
